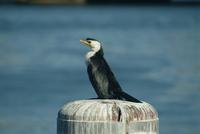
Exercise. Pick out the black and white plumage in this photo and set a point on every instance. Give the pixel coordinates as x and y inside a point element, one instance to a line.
<point>100,74</point>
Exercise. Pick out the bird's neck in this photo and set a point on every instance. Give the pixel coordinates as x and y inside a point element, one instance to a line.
<point>93,53</point>
<point>90,54</point>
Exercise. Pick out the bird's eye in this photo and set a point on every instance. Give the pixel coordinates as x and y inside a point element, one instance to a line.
<point>89,41</point>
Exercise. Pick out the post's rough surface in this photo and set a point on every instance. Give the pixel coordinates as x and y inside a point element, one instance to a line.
<point>107,117</point>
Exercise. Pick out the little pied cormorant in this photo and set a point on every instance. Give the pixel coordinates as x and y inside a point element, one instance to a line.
<point>100,74</point>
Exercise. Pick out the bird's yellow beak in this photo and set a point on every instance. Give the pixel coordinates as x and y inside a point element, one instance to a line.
<point>85,42</point>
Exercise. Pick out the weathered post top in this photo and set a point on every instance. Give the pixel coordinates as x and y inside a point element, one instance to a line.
<point>101,116</point>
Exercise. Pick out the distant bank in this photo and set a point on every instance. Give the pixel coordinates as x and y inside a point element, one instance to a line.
<point>90,1</point>
<point>82,2</point>
<point>52,1</point>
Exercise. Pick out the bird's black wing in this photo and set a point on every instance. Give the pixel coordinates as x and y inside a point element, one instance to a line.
<point>113,83</point>
<point>104,81</point>
<point>102,78</point>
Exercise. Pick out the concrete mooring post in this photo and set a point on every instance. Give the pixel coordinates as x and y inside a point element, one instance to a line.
<point>107,117</point>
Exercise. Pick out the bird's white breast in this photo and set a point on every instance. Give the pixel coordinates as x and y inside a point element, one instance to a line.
<point>89,55</point>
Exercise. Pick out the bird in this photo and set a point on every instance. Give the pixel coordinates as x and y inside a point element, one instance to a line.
<point>100,74</point>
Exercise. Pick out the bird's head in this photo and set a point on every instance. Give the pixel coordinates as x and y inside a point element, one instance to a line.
<point>94,44</point>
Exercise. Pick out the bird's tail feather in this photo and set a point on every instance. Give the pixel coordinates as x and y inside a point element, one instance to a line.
<point>127,97</point>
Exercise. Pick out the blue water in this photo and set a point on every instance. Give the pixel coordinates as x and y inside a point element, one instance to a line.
<point>153,51</point>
